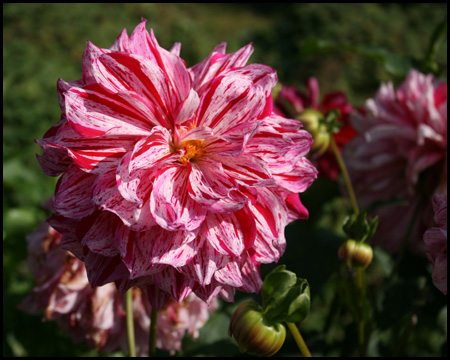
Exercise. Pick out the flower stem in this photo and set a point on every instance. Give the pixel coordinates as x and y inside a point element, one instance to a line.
<point>344,171</point>
<point>130,324</point>
<point>361,303</point>
<point>299,339</point>
<point>360,286</point>
<point>152,338</point>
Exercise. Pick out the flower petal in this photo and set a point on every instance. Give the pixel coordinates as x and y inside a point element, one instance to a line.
<point>299,178</point>
<point>205,262</point>
<point>210,187</point>
<point>247,169</point>
<point>92,111</point>
<point>230,233</point>
<point>231,100</point>
<point>100,236</point>
<point>73,193</point>
<point>217,62</point>
<point>170,203</point>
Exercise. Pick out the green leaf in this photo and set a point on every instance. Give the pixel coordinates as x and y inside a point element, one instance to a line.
<point>358,228</point>
<point>285,297</point>
<point>276,283</point>
<point>300,305</point>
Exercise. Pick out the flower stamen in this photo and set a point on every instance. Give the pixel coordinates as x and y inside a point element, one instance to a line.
<point>193,150</point>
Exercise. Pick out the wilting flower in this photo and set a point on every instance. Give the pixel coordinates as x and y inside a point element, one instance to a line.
<point>436,240</point>
<point>291,102</point>
<point>97,315</point>
<point>175,179</point>
<point>399,157</point>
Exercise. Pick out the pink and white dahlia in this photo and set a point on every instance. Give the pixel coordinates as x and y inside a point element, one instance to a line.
<point>97,315</point>
<point>400,156</point>
<point>174,179</point>
<point>436,240</point>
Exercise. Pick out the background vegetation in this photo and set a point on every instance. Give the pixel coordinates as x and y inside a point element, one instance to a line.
<point>44,42</point>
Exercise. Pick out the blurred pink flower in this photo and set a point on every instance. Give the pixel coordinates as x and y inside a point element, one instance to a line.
<point>174,179</point>
<point>436,240</point>
<point>400,154</point>
<point>97,315</point>
<point>291,102</point>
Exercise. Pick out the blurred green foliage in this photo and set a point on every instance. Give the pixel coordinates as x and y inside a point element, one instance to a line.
<point>44,42</point>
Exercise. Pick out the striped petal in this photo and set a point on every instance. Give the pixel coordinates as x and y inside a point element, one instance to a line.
<point>210,187</point>
<point>170,203</point>
<point>216,63</point>
<point>299,178</point>
<point>205,262</point>
<point>231,100</point>
<point>73,193</point>
<point>93,111</point>
<point>247,169</point>
<point>231,233</point>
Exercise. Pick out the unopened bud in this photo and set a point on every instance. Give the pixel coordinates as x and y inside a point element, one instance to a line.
<point>311,120</point>
<point>356,254</point>
<point>255,334</point>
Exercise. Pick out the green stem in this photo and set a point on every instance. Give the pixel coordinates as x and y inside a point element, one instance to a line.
<point>360,286</point>
<point>344,172</point>
<point>361,303</point>
<point>299,339</point>
<point>130,324</point>
<point>152,337</point>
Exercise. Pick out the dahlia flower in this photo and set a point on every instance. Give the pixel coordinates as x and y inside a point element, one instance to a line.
<point>400,156</point>
<point>436,240</point>
<point>97,315</point>
<point>291,102</point>
<point>174,179</point>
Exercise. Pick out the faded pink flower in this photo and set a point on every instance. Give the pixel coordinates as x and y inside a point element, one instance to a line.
<point>174,179</point>
<point>436,240</point>
<point>291,102</point>
<point>400,156</point>
<point>97,315</point>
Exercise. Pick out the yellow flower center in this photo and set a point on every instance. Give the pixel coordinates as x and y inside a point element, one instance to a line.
<point>193,150</point>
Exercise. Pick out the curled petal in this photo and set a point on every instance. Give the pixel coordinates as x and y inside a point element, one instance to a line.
<point>73,194</point>
<point>231,233</point>
<point>230,275</point>
<point>299,178</point>
<point>217,62</point>
<point>231,100</point>
<point>92,112</point>
<point>208,186</point>
<point>247,169</point>
<point>205,262</point>
<point>100,237</point>
<point>170,203</point>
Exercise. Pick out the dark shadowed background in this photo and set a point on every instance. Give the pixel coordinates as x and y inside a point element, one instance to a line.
<point>349,47</point>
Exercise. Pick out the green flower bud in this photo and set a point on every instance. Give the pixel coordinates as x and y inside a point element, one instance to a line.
<point>356,254</point>
<point>254,333</point>
<point>313,123</point>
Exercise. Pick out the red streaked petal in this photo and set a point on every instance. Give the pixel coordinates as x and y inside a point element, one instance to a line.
<point>210,187</point>
<point>100,236</point>
<point>93,112</point>
<point>73,193</point>
<point>229,275</point>
<point>299,178</point>
<point>170,203</point>
<point>205,262</point>
<point>230,233</point>
<point>247,169</point>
